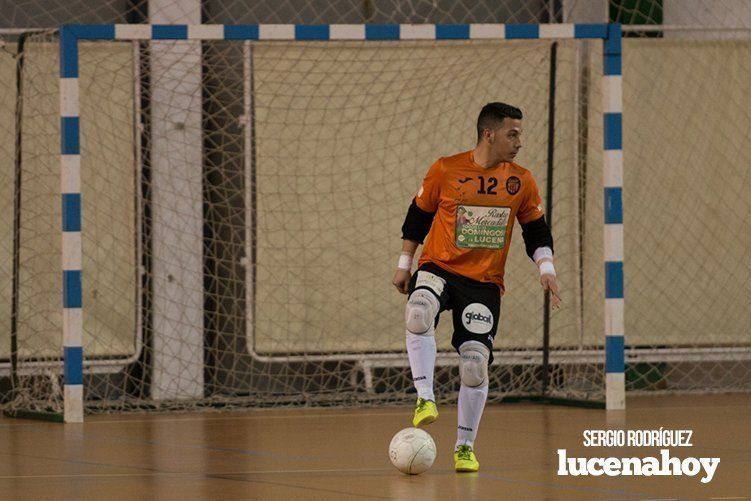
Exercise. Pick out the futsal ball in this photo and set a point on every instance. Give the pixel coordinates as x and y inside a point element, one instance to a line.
<point>412,451</point>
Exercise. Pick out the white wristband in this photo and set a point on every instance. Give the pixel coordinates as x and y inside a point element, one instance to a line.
<point>547,268</point>
<point>542,252</point>
<point>405,261</point>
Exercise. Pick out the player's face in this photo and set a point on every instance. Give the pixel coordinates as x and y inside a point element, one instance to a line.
<point>505,142</point>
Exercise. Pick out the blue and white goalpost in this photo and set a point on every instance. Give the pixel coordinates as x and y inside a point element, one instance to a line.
<point>72,204</point>
<point>612,108</point>
<point>70,187</point>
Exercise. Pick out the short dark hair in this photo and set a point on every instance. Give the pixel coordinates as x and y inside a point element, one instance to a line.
<point>492,115</point>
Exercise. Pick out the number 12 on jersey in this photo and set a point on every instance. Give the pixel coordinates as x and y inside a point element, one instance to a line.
<point>492,184</point>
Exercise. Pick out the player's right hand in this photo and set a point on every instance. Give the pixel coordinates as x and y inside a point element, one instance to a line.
<point>549,284</point>
<point>401,280</point>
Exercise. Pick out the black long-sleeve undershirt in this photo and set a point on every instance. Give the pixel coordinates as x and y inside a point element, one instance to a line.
<point>417,223</point>
<point>536,234</point>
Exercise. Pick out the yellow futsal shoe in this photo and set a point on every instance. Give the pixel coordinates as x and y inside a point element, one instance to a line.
<point>425,412</point>
<point>465,460</point>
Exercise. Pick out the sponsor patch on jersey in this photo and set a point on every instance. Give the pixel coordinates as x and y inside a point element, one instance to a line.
<point>477,318</point>
<point>481,227</point>
<point>513,184</point>
<point>432,282</point>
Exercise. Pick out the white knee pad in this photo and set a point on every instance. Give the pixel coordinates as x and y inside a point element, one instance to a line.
<point>422,308</point>
<point>473,365</point>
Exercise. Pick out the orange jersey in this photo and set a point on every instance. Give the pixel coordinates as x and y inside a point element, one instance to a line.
<point>474,214</point>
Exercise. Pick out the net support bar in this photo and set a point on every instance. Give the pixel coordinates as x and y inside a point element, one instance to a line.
<point>177,229</point>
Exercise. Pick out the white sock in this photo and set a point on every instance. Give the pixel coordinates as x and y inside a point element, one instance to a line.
<point>471,405</point>
<point>421,350</point>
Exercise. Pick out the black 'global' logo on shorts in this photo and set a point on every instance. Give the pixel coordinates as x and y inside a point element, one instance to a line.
<point>513,184</point>
<point>477,318</point>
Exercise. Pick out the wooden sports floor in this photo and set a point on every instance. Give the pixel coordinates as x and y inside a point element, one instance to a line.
<point>332,454</point>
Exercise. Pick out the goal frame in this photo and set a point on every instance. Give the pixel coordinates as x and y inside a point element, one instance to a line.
<point>70,159</point>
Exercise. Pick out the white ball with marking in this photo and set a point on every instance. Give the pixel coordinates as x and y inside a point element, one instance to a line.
<point>412,451</point>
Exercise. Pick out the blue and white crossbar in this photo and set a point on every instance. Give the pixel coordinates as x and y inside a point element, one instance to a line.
<point>338,31</point>
<point>71,151</point>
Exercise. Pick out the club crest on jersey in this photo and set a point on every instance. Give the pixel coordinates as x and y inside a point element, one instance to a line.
<point>477,318</point>
<point>513,184</point>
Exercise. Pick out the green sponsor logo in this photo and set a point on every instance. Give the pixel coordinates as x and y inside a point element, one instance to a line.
<point>481,227</point>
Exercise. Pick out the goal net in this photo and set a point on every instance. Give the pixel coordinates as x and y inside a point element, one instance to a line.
<point>242,204</point>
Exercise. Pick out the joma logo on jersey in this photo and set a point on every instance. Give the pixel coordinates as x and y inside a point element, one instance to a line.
<point>477,318</point>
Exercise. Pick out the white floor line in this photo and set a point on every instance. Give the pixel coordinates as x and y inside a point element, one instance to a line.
<point>304,413</point>
<point>196,473</point>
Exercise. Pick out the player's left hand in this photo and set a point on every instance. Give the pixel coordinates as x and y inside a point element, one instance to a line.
<point>549,284</point>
